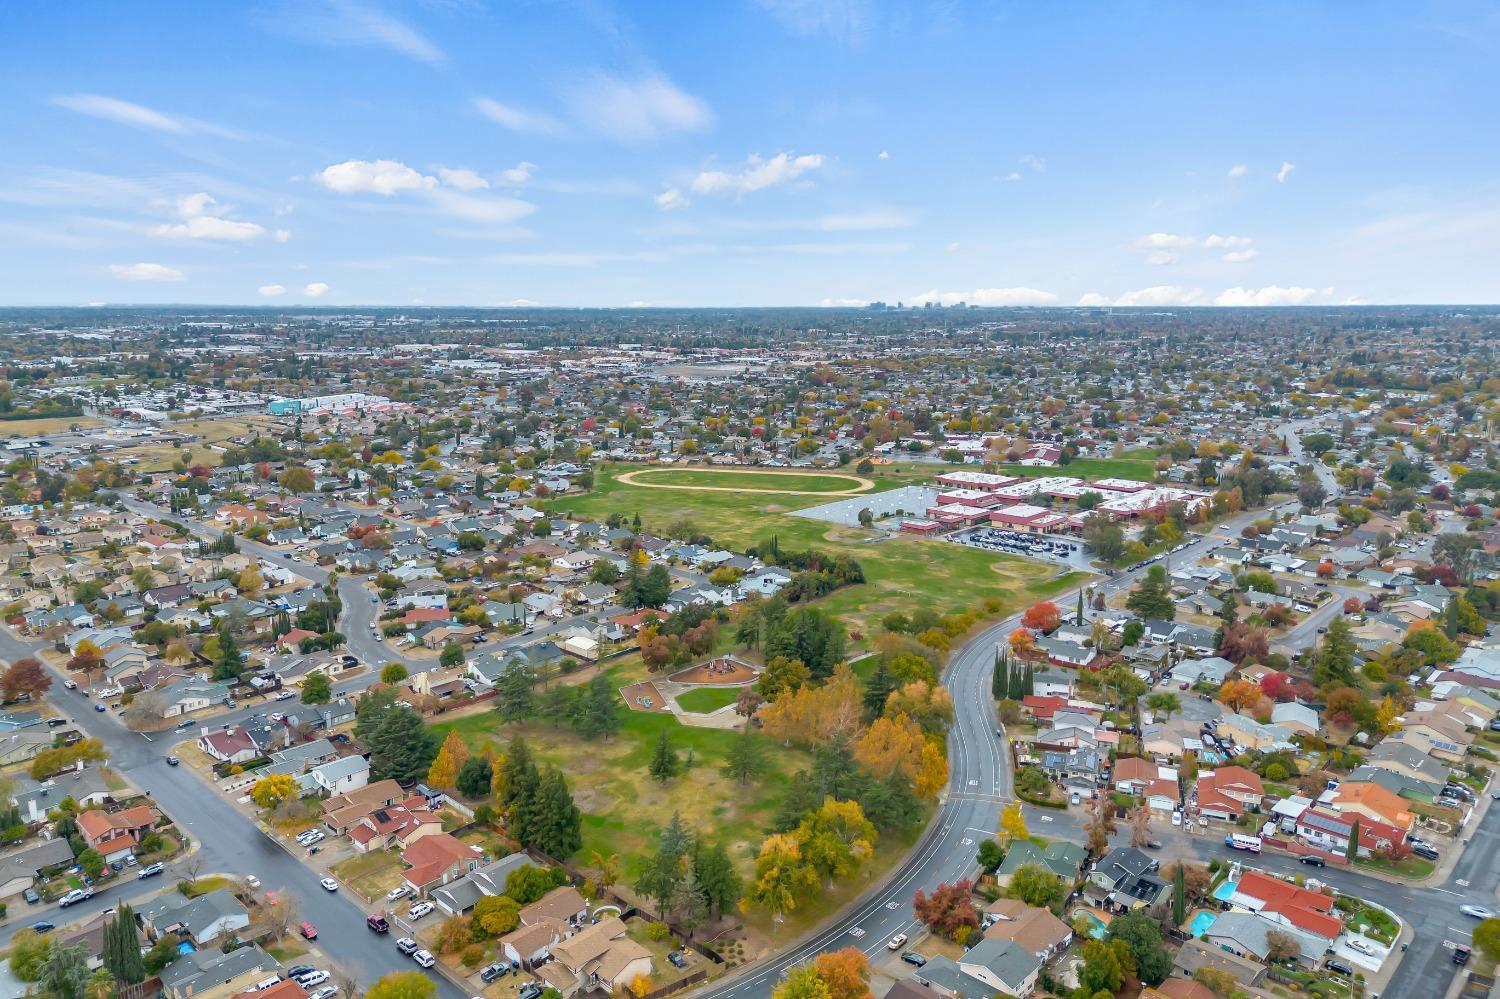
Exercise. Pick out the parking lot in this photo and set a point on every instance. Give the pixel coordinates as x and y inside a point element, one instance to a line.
<point>1064,551</point>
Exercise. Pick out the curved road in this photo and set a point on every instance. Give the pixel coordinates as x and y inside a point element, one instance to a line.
<point>979,783</point>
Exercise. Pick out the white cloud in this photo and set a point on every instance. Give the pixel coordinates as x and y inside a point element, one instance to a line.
<point>519,303</point>
<point>883,155</point>
<point>347,22</point>
<point>378,177</point>
<point>282,235</point>
<point>271,290</point>
<point>316,289</point>
<point>843,303</point>
<point>997,297</point>
<point>137,115</point>
<point>518,119</point>
<point>518,174</point>
<point>1035,163</point>
<point>1013,176</point>
<point>1240,256</point>
<point>567,258</point>
<point>951,248</point>
<point>480,208</point>
<point>842,19</point>
<point>1238,170</point>
<point>1217,242</point>
<point>638,110</point>
<point>1093,298</point>
<point>1269,295</point>
<point>1284,172</point>
<point>120,111</point>
<point>146,272</point>
<point>1162,248</point>
<point>202,218</point>
<point>671,199</point>
<point>1162,294</point>
<point>464,180</point>
<point>757,174</point>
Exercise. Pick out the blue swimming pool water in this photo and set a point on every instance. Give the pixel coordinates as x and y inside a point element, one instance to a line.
<point>1097,929</point>
<point>1226,890</point>
<point>1201,922</point>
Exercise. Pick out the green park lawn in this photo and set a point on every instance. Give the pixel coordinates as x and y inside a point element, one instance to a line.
<point>1142,469</point>
<point>901,573</point>
<point>624,808</point>
<point>706,699</point>
<point>759,481</point>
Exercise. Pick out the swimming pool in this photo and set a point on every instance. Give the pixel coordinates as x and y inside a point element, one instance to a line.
<point>1097,929</point>
<point>1201,922</point>
<point>1226,890</point>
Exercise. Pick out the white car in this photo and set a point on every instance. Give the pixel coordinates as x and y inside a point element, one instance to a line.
<point>285,695</point>
<point>419,909</point>
<point>1361,947</point>
<point>326,992</point>
<point>312,978</point>
<point>400,891</point>
<point>895,942</point>
<point>424,958</point>
<point>276,716</point>
<point>329,884</point>
<point>1476,911</point>
<point>1177,818</point>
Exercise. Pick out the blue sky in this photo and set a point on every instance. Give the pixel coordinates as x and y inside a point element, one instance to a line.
<point>749,152</point>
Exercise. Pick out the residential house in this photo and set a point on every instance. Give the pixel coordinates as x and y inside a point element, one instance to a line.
<point>1330,831</point>
<point>458,897</point>
<point>341,776</point>
<point>991,967</point>
<point>212,974</point>
<point>1125,879</point>
<point>1037,931</point>
<point>1228,792</point>
<point>1061,858</point>
<point>20,869</point>
<point>437,859</point>
<point>601,957</point>
<point>1299,719</point>
<point>1372,802</point>
<point>230,745</point>
<point>202,919</point>
<point>116,834</point>
<point>342,811</point>
<point>1196,954</point>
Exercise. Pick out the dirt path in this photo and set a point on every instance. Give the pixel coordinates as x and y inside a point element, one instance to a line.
<point>862,484</point>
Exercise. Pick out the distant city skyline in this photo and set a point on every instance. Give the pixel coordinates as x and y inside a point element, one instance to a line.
<point>750,153</point>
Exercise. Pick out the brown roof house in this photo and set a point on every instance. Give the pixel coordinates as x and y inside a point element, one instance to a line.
<point>1036,931</point>
<point>600,958</point>
<point>116,834</point>
<point>436,860</point>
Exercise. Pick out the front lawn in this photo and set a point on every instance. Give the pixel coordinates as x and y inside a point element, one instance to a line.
<point>1413,867</point>
<point>371,874</point>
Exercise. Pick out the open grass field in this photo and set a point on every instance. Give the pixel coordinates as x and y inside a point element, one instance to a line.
<point>707,699</point>
<point>748,480</point>
<point>46,425</point>
<point>901,573</point>
<point>1142,469</point>
<point>160,457</point>
<point>624,809</point>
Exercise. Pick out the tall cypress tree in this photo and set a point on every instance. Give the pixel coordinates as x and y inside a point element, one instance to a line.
<point>1078,614</point>
<point>878,688</point>
<point>122,950</point>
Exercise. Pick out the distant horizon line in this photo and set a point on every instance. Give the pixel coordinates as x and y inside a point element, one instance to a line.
<point>1308,307</point>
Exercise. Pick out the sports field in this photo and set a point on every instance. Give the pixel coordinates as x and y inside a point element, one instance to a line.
<point>750,480</point>
<point>901,573</point>
<point>1139,465</point>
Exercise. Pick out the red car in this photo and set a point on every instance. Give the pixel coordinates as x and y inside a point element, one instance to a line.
<point>308,931</point>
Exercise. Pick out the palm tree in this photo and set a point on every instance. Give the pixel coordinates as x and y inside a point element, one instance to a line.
<point>1164,703</point>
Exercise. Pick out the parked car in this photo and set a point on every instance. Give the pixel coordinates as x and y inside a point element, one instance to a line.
<point>55,722</point>
<point>184,724</point>
<point>531,991</point>
<point>150,870</point>
<point>1311,860</point>
<point>1460,953</point>
<point>417,910</point>
<point>425,959</point>
<point>43,925</point>
<point>493,972</point>
<point>308,931</point>
<point>895,942</point>
<point>285,695</point>
<point>32,898</point>
<point>312,978</point>
<point>295,970</point>
<point>676,960</point>
<point>1338,966</point>
<point>326,992</point>
<point>913,958</point>
<point>76,895</point>
<point>406,945</point>
<point>400,891</point>
<point>1425,850</point>
<point>378,923</point>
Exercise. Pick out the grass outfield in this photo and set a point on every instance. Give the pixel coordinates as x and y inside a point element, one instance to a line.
<point>757,481</point>
<point>42,425</point>
<point>706,699</point>
<point>902,573</point>
<point>1140,469</point>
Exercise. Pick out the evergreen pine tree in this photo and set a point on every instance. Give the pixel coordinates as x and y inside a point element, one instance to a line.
<point>746,759</point>
<point>1353,849</point>
<point>664,762</point>
<point>1179,896</point>
<point>1028,688</point>
<point>878,688</point>
<point>517,699</point>
<point>1078,614</point>
<point>558,831</point>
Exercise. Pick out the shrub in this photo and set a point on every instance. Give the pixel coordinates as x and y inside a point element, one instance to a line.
<point>657,931</point>
<point>472,955</point>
